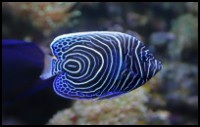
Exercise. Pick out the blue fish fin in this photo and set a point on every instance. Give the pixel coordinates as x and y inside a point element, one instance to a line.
<point>48,67</point>
<point>109,96</point>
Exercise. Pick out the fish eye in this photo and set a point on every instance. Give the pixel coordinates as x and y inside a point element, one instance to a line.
<point>144,57</point>
<point>150,56</point>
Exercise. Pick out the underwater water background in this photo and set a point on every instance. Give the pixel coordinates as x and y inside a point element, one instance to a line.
<point>168,30</point>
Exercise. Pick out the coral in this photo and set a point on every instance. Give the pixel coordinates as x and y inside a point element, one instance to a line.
<point>126,109</point>
<point>135,20</point>
<point>161,38</point>
<point>159,117</point>
<point>177,85</point>
<point>43,15</point>
<point>185,46</point>
<point>192,7</point>
<point>158,44</point>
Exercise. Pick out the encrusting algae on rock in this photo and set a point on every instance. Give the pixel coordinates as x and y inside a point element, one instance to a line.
<point>43,15</point>
<point>127,109</point>
<point>130,109</point>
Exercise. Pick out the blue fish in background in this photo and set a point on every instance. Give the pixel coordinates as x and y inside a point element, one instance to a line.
<point>98,65</point>
<point>22,64</point>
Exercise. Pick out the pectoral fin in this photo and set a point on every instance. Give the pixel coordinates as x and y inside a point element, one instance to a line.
<point>47,71</point>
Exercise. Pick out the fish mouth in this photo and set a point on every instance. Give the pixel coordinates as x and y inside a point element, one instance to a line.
<point>159,66</point>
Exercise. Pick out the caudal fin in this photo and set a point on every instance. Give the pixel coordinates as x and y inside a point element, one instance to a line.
<point>47,71</point>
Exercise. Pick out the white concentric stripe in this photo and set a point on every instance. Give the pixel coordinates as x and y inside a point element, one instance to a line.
<point>132,63</point>
<point>130,82</point>
<point>127,77</point>
<point>128,48</point>
<point>106,67</point>
<point>71,66</point>
<point>95,75</point>
<point>149,67</point>
<point>141,50</point>
<point>120,58</point>
<point>82,61</point>
<point>138,58</point>
<point>78,46</point>
<point>155,68</point>
<point>120,78</point>
<point>114,48</point>
<point>142,82</point>
<point>78,54</point>
<point>58,66</point>
<point>73,60</point>
<point>146,52</point>
<point>119,82</point>
<point>111,61</point>
<point>133,47</point>
<point>135,85</point>
<point>137,74</point>
<point>89,61</point>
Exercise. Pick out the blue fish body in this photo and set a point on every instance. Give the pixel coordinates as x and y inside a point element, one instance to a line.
<point>22,64</point>
<point>100,65</point>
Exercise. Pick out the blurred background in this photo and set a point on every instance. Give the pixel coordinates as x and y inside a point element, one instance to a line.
<point>168,30</point>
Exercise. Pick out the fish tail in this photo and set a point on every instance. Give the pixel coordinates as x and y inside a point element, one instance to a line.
<point>48,67</point>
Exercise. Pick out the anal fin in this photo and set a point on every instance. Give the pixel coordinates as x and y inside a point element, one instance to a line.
<point>109,96</point>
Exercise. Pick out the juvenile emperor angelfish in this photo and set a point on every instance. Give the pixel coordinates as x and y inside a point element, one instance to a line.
<point>98,65</point>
